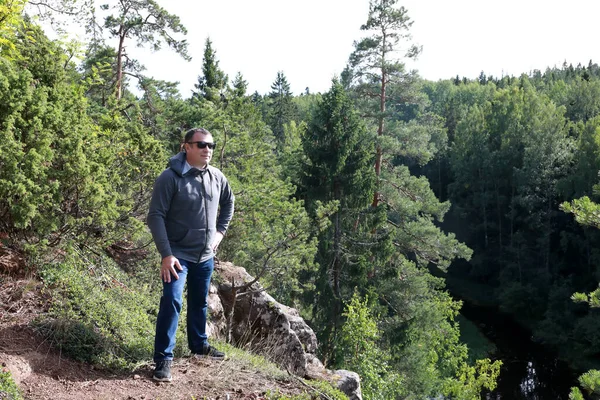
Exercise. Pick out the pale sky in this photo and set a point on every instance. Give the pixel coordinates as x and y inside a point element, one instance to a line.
<point>310,40</point>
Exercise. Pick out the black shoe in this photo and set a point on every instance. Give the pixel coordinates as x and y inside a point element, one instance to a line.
<point>162,371</point>
<point>210,352</point>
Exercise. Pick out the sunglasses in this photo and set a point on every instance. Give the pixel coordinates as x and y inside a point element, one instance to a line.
<point>203,145</point>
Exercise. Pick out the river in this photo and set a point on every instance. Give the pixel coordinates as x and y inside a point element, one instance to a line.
<point>529,371</point>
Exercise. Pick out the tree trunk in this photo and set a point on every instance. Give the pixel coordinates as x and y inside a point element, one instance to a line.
<point>512,217</point>
<point>382,99</point>
<point>337,246</point>
<point>121,50</point>
<point>499,210</point>
<point>483,195</point>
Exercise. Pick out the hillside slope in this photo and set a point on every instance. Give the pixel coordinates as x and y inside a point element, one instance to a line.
<point>41,372</point>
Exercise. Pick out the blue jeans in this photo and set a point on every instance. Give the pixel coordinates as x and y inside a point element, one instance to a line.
<point>198,276</point>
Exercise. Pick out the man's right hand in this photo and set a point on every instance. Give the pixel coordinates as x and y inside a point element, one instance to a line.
<point>167,268</point>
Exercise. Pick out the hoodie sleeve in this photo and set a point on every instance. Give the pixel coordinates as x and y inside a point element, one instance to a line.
<point>226,204</point>
<point>162,194</point>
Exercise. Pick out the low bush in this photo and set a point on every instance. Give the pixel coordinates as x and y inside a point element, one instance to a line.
<point>99,313</point>
<point>8,388</point>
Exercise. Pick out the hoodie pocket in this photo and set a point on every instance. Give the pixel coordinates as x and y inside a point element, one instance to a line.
<point>194,238</point>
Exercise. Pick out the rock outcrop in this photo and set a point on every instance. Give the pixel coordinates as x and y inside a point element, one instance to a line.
<point>250,317</point>
<point>349,383</point>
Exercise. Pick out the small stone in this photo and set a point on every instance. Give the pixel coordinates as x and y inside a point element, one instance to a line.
<point>136,376</point>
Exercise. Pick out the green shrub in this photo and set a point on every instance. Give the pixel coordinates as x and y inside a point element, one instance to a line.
<point>99,314</point>
<point>362,354</point>
<point>63,173</point>
<point>8,388</point>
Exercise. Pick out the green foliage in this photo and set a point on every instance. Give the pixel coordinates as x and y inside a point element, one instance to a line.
<point>62,174</point>
<point>522,300</point>
<point>425,365</point>
<point>270,234</point>
<point>148,24</point>
<point>576,394</point>
<point>586,212</point>
<point>360,352</point>
<point>425,339</point>
<point>98,75</point>
<point>521,149</point>
<point>306,104</point>
<point>338,171</point>
<point>10,19</point>
<point>592,298</point>
<point>8,388</point>
<point>389,25</point>
<point>99,314</point>
<point>292,157</point>
<point>471,380</point>
<point>590,381</point>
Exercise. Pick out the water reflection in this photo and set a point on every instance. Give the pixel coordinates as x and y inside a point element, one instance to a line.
<point>542,377</point>
<point>529,371</point>
<point>528,384</point>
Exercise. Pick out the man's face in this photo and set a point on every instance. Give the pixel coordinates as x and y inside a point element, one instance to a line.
<point>196,156</point>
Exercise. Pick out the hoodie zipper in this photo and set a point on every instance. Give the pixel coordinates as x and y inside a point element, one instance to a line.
<point>205,214</point>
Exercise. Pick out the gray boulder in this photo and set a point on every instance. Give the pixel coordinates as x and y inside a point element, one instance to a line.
<point>248,316</point>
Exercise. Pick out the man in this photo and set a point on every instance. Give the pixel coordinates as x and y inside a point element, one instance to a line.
<point>190,211</point>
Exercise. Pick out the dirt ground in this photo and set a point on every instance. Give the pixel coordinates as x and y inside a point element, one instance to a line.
<point>41,372</point>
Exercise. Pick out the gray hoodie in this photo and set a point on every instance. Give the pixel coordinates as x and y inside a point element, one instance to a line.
<point>184,207</point>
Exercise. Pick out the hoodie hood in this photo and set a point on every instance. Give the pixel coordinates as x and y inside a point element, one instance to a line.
<point>177,162</point>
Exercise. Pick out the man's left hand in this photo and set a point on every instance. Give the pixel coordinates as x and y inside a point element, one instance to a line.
<point>216,241</point>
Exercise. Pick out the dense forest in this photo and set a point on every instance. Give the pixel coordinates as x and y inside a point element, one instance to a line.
<point>360,206</point>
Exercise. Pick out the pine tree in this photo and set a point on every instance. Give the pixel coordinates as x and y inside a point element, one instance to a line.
<point>147,23</point>
<point>375,69</point>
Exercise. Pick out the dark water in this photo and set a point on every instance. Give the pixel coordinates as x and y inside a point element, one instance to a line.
<point>529,371</point>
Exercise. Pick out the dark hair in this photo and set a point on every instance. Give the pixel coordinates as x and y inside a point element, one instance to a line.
<point>190,134</point>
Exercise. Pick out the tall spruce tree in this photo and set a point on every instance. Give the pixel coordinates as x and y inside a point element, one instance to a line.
<point>281,108</point>
<point>339,170</point>
<point>213,80</point>
<point>240,86</point>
